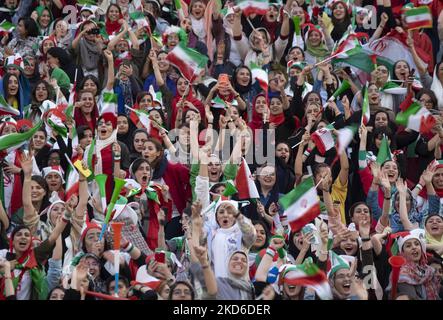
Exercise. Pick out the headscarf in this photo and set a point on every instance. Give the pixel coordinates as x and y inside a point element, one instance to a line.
<point>437,87</point>
<point>244,284</point>
<point>320,51</point>
<point>257,118</point>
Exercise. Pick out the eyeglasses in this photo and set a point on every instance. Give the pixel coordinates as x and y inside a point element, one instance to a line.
<point>425,101</point>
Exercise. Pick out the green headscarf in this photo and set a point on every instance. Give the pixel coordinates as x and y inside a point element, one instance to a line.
<point>320,51</point>
<point>62,78</point>
<point>40,10</point>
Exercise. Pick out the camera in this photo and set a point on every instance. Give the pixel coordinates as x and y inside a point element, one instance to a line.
<point>94,31</point>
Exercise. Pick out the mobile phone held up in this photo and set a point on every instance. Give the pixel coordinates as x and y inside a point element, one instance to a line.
<point>159,257</point>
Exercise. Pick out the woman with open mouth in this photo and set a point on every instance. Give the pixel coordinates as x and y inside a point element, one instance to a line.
<point>417,280</point>
<point>151,198</point>
<point>236,284</point>
<point>434,232</point>
<point>231,232</point>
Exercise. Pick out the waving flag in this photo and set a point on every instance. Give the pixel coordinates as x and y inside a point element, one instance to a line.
<point>308,275</point>
<point>323,139</point>
<point>365,112</point>
<point>417,118</point>
<point>6,27</point>
<point>301,205</point>
<point>6,109</point>
<point>259,75</point>
<point>345,137</point>
<point>188,61</point>
<point>384,152</point>
<point>351,52</point>
<point>245,183</point>
<point>249,7</point>
<point>418,18</point>
<point>14,139</point>
<point>182,9</point>
<point>72,182</point>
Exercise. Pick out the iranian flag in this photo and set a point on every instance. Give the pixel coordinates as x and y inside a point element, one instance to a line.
<point>323,139</point>
<point>390,49</point>
<point>142,116</point>
<point>139,18</point>
<point>109,103</point>
<point>245,184</point>
<point>417,118</point>
<point>393,88</point>
<point>249,7</point>
<point>14,139</point>
<point>218,103</point>
<point>72,182</point>
<point>345,137</point>
<point>6,27</point>
<point>6,109</point>
<point>301,205</point>
<point>188,61</point>
<point>260,75</point>
<point>384,152</point>
<point>365,111</point>
<point>57,119</point>
<point>308,275</point>
<point>418,18</point>
<point>350,52</point>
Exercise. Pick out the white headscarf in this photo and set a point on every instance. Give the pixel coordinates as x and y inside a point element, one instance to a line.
<point>437,88</point>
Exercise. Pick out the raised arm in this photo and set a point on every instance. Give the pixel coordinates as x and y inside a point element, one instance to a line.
<point>201,253</point>
<point>157,73</point>
<point>111,77</point>
<point>402,190</point>
<point>30,215</point>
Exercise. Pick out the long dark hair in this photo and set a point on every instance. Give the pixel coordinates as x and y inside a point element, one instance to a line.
<point>31,26</point>
<point>6,85</point>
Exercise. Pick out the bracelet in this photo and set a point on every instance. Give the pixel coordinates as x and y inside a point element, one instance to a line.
<point>324,252</point>
<point>419,186</point>
<point>81,180</point>
<point>129,247</point>
<point>365,239</point>
<point>271,252</point>
<point>306,153</point>
<point>210,123</point>
<point>117,159</point>
<point>205,266</point>
<point>387,198</point>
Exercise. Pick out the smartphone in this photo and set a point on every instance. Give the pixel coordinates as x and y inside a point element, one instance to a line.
<point>159,257</point>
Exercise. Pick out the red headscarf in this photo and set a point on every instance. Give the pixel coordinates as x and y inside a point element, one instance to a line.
<point>257,118</point>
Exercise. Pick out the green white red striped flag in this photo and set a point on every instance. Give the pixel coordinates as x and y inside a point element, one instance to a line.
<point>72,181</point>
<point>417,118</point>
<point>344,137</point>
<point>393,88</point>
<point>418,18</point>
<point>218,103</point>
<point>6,109</point>
<point>323,139</point>
<point>245,183</point>
<point>143,117</point>
<point>301,205</point>
<point>140,19</point>
<point>351,52</point>
<point>260,75</point>
<point>109,103</point>
<point>384,152</point>
<point>13,139</point>
<point>188,61</point>
<point>6,26</point>
<point>365,111</point>
<point>249,7</point>
<point>308,275</point>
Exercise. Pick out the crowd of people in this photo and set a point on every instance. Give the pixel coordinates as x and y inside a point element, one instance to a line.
<point>99,127</point>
